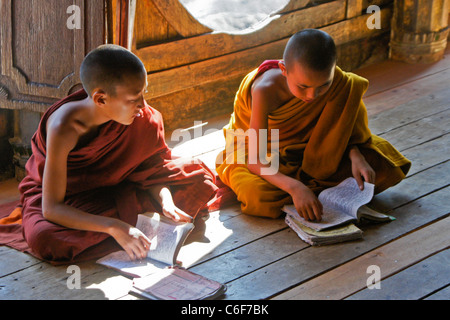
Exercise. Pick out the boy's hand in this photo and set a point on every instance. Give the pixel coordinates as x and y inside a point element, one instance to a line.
<point>131,239</point>
<point>306,203</point>
<point>361,169</point>
<point>171,211</point>
<point>163,195</point>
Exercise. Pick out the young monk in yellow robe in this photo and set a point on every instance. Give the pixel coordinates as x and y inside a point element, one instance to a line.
<point>323,134</point>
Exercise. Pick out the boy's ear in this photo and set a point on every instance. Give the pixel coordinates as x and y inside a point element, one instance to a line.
<point>99,97</point>
<point>282,67</point>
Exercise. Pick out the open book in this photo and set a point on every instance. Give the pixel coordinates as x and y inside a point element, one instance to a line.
<point>342,204</point>
<point>166,238</point>
<point>158,276</point>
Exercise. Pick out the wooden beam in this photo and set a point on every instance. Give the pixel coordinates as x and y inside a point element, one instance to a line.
<point>356,28</point>
<point>201,73</point>
<point>293,5</point>
<point>179,18</point>
<point>167,55</point>
<point>195,74</point>
<point>180,109</point>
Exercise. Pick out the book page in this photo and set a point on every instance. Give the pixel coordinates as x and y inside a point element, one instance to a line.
<point>346,197</point>
<point>176,284</point>
<point>330,218</point>
<point>340,204</point>
<point>166,236</point>
<point>120,261</point>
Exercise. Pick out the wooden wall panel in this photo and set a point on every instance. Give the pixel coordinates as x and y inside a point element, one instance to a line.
<point>150,26</point>
<point>179,18</point>
<point>40,55</point>
<point>186,72</point>
<point>28,41</point>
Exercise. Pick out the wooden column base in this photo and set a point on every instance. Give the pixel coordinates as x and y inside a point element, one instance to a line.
<point>419,30</point>
<point>418,48</point>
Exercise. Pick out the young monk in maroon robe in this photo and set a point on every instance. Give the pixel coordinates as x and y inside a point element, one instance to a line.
<point>99,158</point>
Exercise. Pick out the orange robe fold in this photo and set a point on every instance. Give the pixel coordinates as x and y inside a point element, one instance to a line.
<point>313,143</point>
<point>109,177</point>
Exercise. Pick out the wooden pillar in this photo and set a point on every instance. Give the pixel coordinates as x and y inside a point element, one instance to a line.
<point>419,30</point>
<point>121,16</point>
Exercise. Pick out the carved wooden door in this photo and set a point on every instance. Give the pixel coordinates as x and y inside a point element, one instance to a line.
<point>43,43</point>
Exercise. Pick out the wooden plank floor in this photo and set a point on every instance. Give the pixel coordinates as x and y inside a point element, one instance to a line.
<point>263,259</point>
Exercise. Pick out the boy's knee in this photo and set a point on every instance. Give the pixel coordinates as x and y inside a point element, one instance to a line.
<point>262,199</point>
<point>45,239</point>
<point>266,210</point>
<point>41,241</point>
<point>257,196</point>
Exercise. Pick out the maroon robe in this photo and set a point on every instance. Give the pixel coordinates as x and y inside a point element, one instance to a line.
<point>108,177</point>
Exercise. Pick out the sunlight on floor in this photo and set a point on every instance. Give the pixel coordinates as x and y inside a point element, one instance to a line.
<point>209,233</point>
<point>113,287</point>
<point>204,241</point>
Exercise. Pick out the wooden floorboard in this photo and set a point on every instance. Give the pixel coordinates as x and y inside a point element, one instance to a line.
<point>407,92</point>
<point>391,258</point>
<point>312,261</point>
<point>388,75</point>
<point>441,294</point>
<point>262,258</point>
<point>414,283</point>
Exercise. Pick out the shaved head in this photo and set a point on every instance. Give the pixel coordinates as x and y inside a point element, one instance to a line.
<point>312,48</point>
<point>108,66</point>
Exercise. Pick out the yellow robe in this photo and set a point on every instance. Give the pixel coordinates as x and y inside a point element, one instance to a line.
<point>313,144</point>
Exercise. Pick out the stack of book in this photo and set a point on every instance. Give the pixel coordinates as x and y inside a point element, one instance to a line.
<point>343,206</point>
